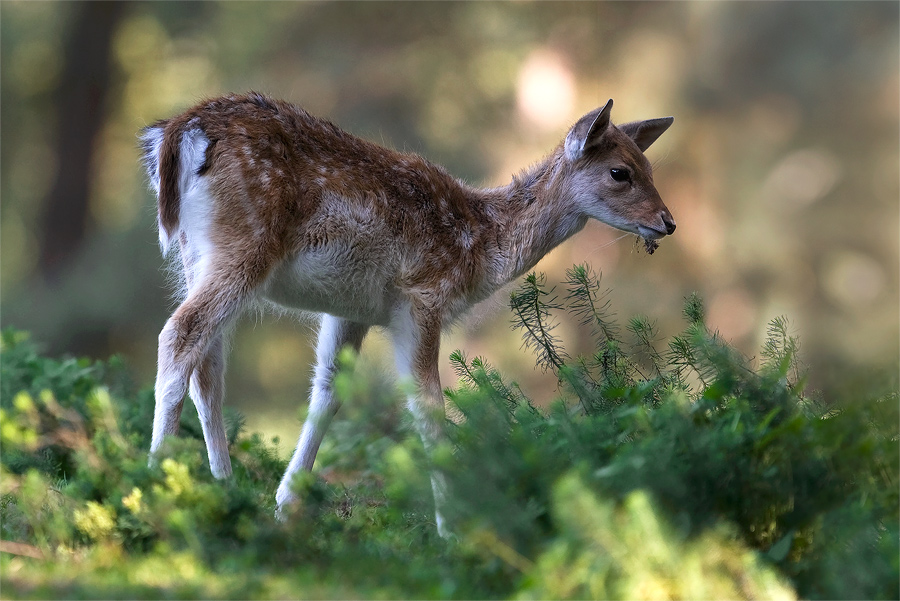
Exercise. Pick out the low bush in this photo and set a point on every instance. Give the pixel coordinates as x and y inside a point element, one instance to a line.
<point>677,470</point>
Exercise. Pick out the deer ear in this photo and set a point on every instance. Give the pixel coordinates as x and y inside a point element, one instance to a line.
<point>587,131</point>
<point>645,133</point>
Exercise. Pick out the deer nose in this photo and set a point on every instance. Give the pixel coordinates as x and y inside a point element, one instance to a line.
<point>669,221</point>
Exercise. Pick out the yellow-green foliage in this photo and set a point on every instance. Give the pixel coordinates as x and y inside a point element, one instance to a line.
<point>595,556</point>
<point>680,473</point>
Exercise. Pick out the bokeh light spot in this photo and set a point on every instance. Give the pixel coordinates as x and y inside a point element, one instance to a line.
<point>546,90</point>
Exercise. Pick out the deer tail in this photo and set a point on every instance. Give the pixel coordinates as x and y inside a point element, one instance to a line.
<point>174,154</point>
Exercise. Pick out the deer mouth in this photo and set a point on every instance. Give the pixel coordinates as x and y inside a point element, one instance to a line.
<point>649,233</point>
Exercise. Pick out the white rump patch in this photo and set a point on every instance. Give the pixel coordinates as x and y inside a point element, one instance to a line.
<point>151,141</point>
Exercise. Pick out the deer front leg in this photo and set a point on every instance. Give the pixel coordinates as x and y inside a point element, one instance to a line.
<point>334,333</point>
<point>417,339</point>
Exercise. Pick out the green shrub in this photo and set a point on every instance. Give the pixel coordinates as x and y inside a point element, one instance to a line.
<point>662,471</point>
<point>709,439</point>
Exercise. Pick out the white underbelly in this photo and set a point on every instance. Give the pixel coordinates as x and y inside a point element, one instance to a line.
<point>337,282</point>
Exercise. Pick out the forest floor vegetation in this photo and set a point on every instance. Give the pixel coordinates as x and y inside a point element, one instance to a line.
<point>675,470</point>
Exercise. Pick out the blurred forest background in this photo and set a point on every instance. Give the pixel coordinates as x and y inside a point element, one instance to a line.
<point>782,167</point>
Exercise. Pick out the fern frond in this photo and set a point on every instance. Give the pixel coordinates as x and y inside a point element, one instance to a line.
<point>531,305</point>
<point>481,375</point>
<point>588,303</point>
<point>693,310</point>
<point>781,350</point>
<point>645,333</point>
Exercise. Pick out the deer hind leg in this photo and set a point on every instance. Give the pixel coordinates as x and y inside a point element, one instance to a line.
<point>207,390</point>
<point>191,340</point>
<point>207,382</point>
<point>417,339</point>
<point>334,334</point>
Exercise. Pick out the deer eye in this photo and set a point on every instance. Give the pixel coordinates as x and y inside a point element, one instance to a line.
<point>620,175</point>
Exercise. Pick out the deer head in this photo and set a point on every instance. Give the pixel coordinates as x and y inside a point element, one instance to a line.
<point>611,179</point>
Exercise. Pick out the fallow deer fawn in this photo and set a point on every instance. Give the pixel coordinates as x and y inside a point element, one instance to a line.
<point>269,204</point>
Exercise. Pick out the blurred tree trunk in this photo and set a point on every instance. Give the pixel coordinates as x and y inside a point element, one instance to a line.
<point>80,106</point>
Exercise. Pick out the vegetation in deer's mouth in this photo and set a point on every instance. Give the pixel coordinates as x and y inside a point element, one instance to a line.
<point>650,245</point>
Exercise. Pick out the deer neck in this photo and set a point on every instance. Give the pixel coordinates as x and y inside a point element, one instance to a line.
<point>535,214</point>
